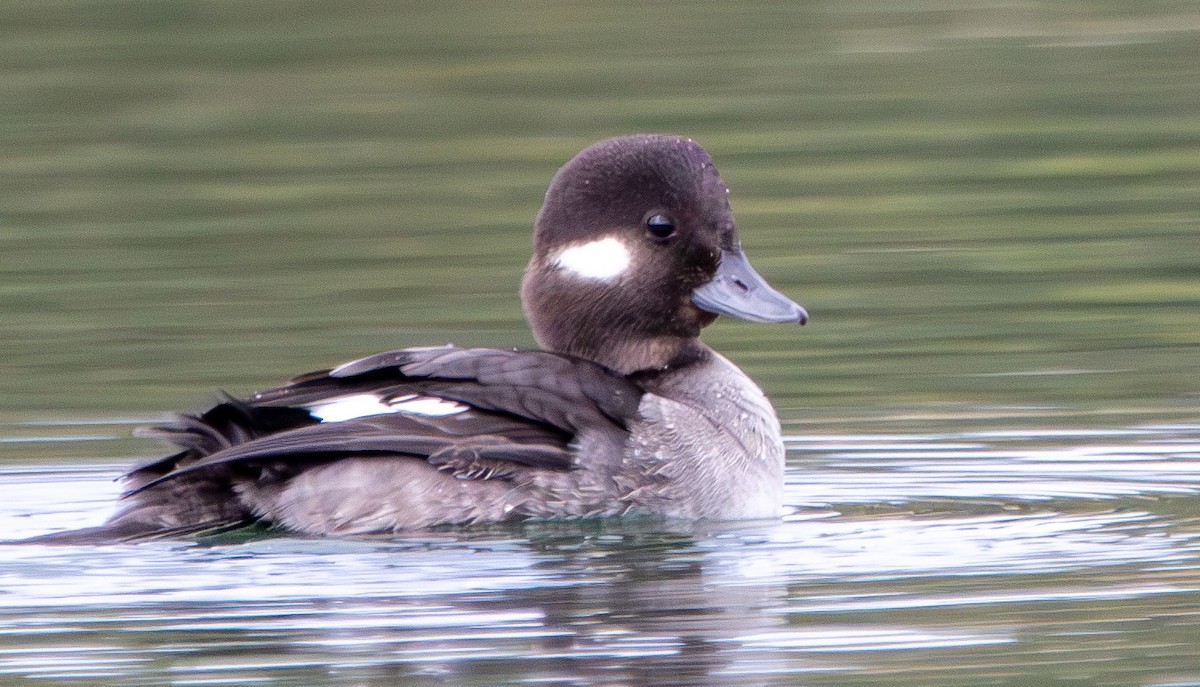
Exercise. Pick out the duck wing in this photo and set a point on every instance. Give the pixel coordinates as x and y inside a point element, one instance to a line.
<point>476,413</point>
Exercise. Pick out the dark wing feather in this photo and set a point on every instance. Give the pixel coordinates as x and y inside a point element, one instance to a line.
<point>525,408</point>
<point>398,435</point>
<point>564,392</point>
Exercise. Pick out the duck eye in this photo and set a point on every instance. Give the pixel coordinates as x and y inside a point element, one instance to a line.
<point>660,226</point>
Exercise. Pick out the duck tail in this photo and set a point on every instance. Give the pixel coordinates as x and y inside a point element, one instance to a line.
<point>198,504</point>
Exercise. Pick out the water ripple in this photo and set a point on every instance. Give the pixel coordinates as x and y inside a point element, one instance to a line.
<point>939,547</point>
<point>1019,466</point>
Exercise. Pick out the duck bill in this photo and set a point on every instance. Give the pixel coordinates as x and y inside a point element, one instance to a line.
<point>738,291</point>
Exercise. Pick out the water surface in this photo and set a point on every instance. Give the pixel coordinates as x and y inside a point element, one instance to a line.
<point>976,557</point>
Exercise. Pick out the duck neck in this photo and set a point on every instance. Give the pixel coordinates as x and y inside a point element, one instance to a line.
<point>639,355</point>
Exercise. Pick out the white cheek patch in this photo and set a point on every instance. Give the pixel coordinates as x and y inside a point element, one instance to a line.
<point>366,405</point>
<point>602,260</point>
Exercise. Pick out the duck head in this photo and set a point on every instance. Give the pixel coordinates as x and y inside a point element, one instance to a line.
<point>635,250</point>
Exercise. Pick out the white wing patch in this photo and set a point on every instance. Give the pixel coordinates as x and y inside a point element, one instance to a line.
<point>602,260</point>
<point>364,405</point>
<point>427,405</point>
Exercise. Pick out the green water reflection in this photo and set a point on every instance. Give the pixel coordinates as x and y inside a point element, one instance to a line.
<point>981,205</point>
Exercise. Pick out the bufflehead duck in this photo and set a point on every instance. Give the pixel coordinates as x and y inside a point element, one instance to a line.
<point>624,411</point>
